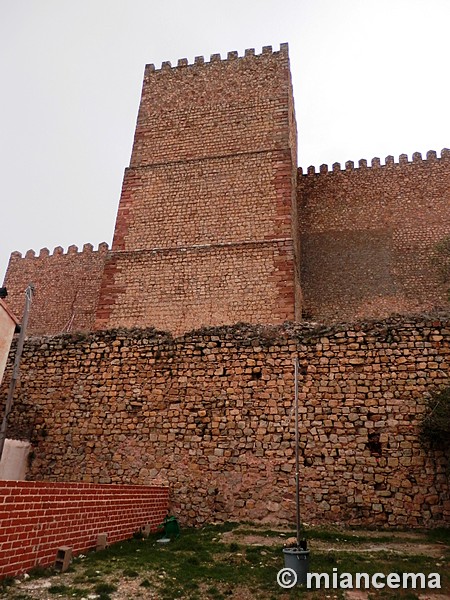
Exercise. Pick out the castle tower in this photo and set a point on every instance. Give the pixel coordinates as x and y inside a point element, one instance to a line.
<point>204,232</point>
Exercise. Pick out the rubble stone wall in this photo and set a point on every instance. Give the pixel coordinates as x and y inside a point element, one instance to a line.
<point>210,414</point>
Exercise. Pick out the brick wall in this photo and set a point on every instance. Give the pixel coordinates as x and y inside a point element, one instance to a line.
<point>210,413</point>
<point>36,518</point>
<point>369,237</point>
<point>67,286</point>
<point>213,165</point>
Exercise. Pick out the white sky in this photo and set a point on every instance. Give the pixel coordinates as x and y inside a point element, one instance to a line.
<point>371,78</point>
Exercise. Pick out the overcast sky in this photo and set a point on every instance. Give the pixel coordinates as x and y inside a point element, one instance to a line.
<point>370,79</point>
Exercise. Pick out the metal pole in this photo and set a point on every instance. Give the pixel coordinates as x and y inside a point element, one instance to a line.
<point>15,375</point>
<point>297,480</point>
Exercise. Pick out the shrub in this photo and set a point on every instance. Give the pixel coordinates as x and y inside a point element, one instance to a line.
<point>435,425</point>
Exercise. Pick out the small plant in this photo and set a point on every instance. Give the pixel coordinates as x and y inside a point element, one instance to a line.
<point>435,425</point>
<point>6,582</point>
<point>68,591</point>
<point>105,588</point>
<point>130,573</point>
<point>441,260</point>
<point>138,535</point>
<point>58,589</point>
<point>39,571</point>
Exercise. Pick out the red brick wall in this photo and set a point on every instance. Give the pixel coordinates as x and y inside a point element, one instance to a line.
<point>36,518</point>
<point>67,286</point>
<point>213,164</point>
<point>369,236</point>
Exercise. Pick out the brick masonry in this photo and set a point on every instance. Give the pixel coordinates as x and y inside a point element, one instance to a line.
<point>36,518</point>
<point>210,414</point>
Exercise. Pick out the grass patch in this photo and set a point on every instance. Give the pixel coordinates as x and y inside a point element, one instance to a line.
<point>439,535</point>
<point>105,588</point>
<point>39,571</point>
<point>331,535</point>
<point>131,573</point>
<point>200,566</point>
<point>6,582</point>
<point>58,589</point>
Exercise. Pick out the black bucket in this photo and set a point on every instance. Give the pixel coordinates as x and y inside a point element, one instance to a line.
<point>297,559</point>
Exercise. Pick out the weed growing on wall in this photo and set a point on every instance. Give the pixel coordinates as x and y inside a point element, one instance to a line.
<point>435,425</point>
<point>441,260</point>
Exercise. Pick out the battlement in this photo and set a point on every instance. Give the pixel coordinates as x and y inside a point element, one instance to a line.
<point>59,251</point>
<point>216,58</point>
<point>431,157</point>
<point>210,191</point>
<point>224,107</point>
<point>67,286</point>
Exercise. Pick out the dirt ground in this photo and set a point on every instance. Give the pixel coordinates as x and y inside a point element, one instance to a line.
<point>402,544</point>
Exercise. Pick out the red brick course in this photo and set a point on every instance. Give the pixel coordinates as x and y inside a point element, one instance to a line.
<point>36,518</point>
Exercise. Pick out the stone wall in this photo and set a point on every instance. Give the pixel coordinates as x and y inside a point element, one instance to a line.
<point>369,237</point>
<point>184,287</point>
<point>210,413</point>
<point>213,171</point>
<point>216,225</point>
<point>67,286</point>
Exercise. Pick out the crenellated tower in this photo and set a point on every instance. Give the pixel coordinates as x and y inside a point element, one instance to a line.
<point>204,231</point>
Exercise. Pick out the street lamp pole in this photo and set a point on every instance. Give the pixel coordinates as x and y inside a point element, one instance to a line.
<point>15,374</point>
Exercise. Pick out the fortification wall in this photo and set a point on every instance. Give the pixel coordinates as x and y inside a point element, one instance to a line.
<point>369,237</point>
<point>184,288</point>
<point>210,413</point>
<point>213,226</point>
<point>213,164</point>
<point>67,287</point>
